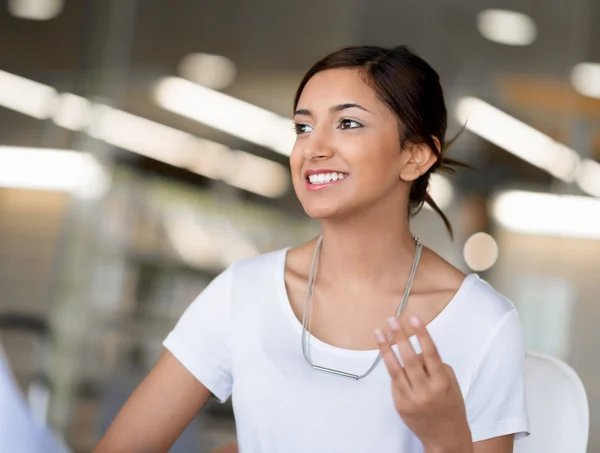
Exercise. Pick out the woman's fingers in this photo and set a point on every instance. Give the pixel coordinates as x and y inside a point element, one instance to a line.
<point>414,375</point>
<point>397,373</point>
<point>413,362</point>
<point>431,357</point>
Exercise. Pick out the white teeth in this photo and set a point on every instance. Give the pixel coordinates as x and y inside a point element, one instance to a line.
<point>323,178</point>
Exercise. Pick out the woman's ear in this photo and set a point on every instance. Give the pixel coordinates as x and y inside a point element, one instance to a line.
<point>420,158</point>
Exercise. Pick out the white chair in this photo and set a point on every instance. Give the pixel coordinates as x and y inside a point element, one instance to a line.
<point>558,407</point>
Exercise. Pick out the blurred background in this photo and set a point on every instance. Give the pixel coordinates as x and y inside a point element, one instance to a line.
<point>144,146</point>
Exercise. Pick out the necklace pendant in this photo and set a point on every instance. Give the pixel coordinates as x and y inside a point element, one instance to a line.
<point>354,377</point>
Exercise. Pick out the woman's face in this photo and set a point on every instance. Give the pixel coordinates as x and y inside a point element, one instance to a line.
<point>347,152</point>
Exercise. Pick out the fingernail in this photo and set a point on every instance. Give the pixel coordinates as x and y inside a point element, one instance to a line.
<point>393,323</point>
<point>379,335</point>
<point>415,321</point>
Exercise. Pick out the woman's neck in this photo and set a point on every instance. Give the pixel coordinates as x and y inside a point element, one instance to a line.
<point>367,248</point>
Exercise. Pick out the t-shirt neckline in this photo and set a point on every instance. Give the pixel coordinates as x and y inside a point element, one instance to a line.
<point>329,348</point>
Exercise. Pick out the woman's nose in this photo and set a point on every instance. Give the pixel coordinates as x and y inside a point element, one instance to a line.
<point>318,147</point>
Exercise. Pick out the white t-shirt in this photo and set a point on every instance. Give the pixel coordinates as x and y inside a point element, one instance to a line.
<point>240,338</point>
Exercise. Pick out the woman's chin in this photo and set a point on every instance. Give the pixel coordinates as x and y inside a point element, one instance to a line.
<point>326,212</point>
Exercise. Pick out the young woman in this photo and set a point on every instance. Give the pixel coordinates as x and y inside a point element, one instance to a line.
<point>300,337</point>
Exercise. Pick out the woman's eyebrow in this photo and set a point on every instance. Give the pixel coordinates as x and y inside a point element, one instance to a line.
<point>335,108</point>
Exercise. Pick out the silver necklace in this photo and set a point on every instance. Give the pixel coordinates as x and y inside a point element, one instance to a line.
<point>310,289</point>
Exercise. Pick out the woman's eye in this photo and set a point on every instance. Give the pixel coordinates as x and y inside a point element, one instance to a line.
<point>302,128</point>
<point>349,124</point>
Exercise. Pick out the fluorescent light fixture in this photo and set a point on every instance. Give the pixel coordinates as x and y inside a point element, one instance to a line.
<point>26,96</point>
<point>72,112</point>
<point>585,78</point>
<point>35,9</point>
<point>52,169</point>
<point>518,138</point>
<point>257,174</point>
<point>480,252</point>
<point>212,71</point>
<point>207,158</point>
<point>588,177</point>
<point>213,160</point>
<point>441,190</point>
<point>145,137</point>
<point>548,214</point>
<point>137,134</point>
<point>226,113</point>
<point>507,27</point>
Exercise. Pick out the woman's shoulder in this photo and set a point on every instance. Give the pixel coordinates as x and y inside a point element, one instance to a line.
<point>480,301</point>
<point>485,302</point>
<point>479,315</point>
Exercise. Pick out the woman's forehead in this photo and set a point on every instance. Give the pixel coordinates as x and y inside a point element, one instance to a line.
<point>336,87</point>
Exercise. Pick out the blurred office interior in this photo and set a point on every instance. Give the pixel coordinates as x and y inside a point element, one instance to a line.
<point>144,146</point>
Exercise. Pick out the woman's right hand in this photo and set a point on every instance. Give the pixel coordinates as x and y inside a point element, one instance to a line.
<point>157,412</point>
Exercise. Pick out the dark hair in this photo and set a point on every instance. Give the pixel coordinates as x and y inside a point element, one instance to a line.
<point>411,88</point>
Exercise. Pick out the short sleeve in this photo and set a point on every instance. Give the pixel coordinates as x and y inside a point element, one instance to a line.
<point>200,339</point>
<point>495,402</point>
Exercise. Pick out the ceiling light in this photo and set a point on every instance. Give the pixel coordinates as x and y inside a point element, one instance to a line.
<point>226,113</point>
<point>26,96</point>
<point>72,112</point>
<point>585,78</point>
<point>257,174</point>
<point>548,214</point>
<point>480,252</point>
<point>213,160</point>
<point>507,27</point>
<point>207,158</point>
<point>212,71</point>
<point>518,138</point>
<point>137,134</point>
<point>52,169</point>
<point>145,137</point>
<point>35,9</point>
